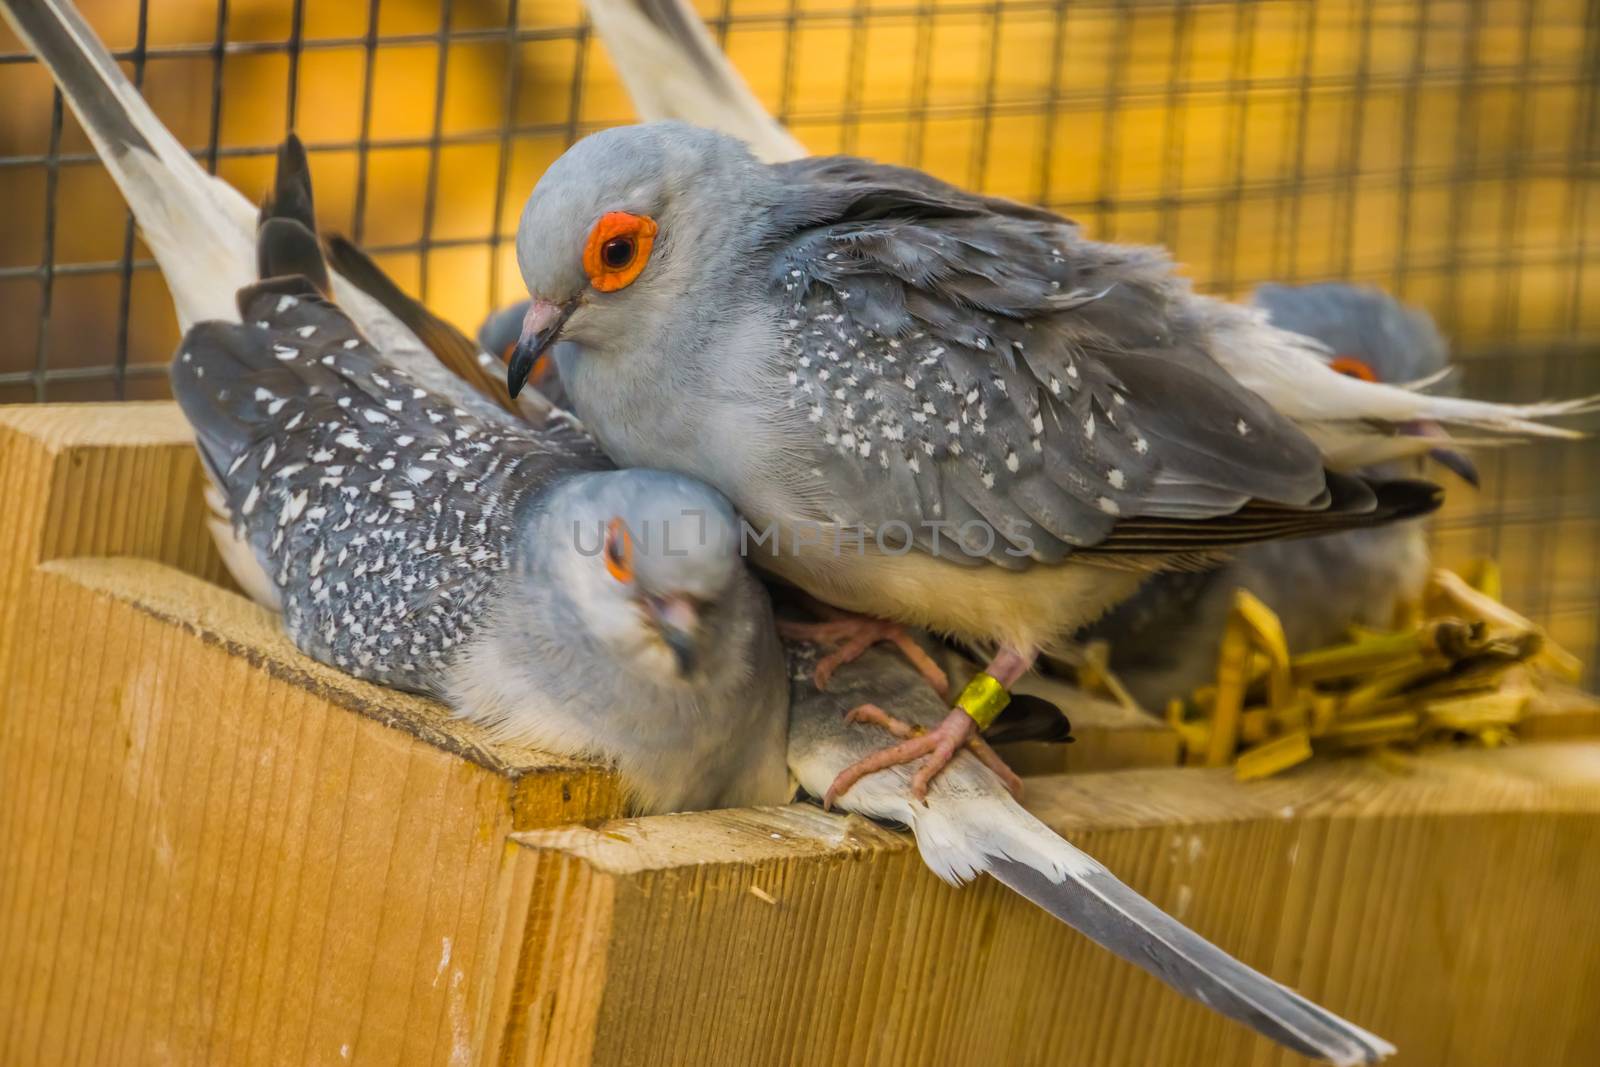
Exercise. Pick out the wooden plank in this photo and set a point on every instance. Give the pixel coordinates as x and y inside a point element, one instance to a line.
<point>1447,907</point>
<point>213,849</point>
<point>101,480</point>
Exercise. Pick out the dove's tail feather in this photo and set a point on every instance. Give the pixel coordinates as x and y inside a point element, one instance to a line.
<point>287,253</point>
<point>960,837</point>
<point>1353,421</point>
<point>286,239</point>
<point>674,70</point>
<point>199,228</point>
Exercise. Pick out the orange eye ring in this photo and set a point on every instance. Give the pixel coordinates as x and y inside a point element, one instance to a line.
<point>1352,367</point>
<point>617,250</point>
<point>618,551</point>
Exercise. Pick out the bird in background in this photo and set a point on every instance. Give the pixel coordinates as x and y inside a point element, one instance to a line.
<point>412,531</point>
<point>943,409</point>
<point>1164,640</point>
<point>968,824</point>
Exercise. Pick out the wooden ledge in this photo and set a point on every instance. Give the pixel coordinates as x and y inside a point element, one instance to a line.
<point>212,846</point>
<point>244,630</point>
<point>1538,778</point>
<point>130,424</point>
<point>101,480</point>
<point>1446,905</point>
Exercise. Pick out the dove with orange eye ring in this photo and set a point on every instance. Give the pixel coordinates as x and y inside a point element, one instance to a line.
<point>1165,638</point>
<point>419,535</point>
<point>1021,422</point>
<point>505,569</point>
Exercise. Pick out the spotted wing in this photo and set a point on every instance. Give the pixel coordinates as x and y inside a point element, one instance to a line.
<point>382,512</point>
<point>967,360</point>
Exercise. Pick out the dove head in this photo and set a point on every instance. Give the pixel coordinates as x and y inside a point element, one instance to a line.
<point>632,242</point>
<point>643,563</point>
<point>1371,336</point>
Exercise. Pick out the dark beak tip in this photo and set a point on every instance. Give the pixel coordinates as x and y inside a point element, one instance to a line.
<point>522,360</point>
<point>683,654</point>
<point>1457,464</point>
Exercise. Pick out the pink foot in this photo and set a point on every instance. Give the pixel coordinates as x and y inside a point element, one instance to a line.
<point>938,745</point>
<point>852,635</point>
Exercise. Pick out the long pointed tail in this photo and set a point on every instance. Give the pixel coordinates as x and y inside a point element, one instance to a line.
<point>674,70</point>
<point>1107,912</point>
<point>201,230</point>
<point>993,833</point>
<point>1355,422</point>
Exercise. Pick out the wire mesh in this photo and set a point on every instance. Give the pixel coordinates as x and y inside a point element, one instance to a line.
<point>1447,150</point>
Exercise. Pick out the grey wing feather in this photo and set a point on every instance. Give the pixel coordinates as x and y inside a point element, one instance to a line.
<point>1018,370</point>
<point>383,514</point>
<point>1106,911</point>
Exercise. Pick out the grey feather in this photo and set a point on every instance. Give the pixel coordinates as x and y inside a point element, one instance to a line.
<point>971,826</point>
<point>1165,639</point>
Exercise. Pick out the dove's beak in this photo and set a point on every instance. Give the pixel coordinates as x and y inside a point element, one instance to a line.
<point>677,620</point>
<point>1460,464</point>
<point>1448,458</point>
<point>541,326</point>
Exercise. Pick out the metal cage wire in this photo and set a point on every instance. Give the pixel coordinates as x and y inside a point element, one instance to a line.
<point>1447,150</point>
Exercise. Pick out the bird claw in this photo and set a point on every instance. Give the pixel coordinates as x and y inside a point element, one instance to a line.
<point>939,746</point>
<point>871,714</point>
<point>852,636</point>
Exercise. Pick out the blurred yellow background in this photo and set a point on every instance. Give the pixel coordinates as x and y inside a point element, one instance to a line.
<point>1447,150</point>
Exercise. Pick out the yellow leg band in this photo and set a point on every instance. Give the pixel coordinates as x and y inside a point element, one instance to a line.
<point>984,699</point>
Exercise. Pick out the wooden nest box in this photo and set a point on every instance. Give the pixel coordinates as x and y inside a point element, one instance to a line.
<point>214,851</point>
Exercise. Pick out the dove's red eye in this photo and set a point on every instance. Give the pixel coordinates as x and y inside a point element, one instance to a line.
<point>1352,367</point>
<point>619,551</point>
<point>617,250</point>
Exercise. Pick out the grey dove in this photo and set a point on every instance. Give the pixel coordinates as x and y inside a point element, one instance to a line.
<point>1164,640</point>
<point>968,825</point>
<point>939,408</point>
<point>414,532</point>
<point>508,571</point>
